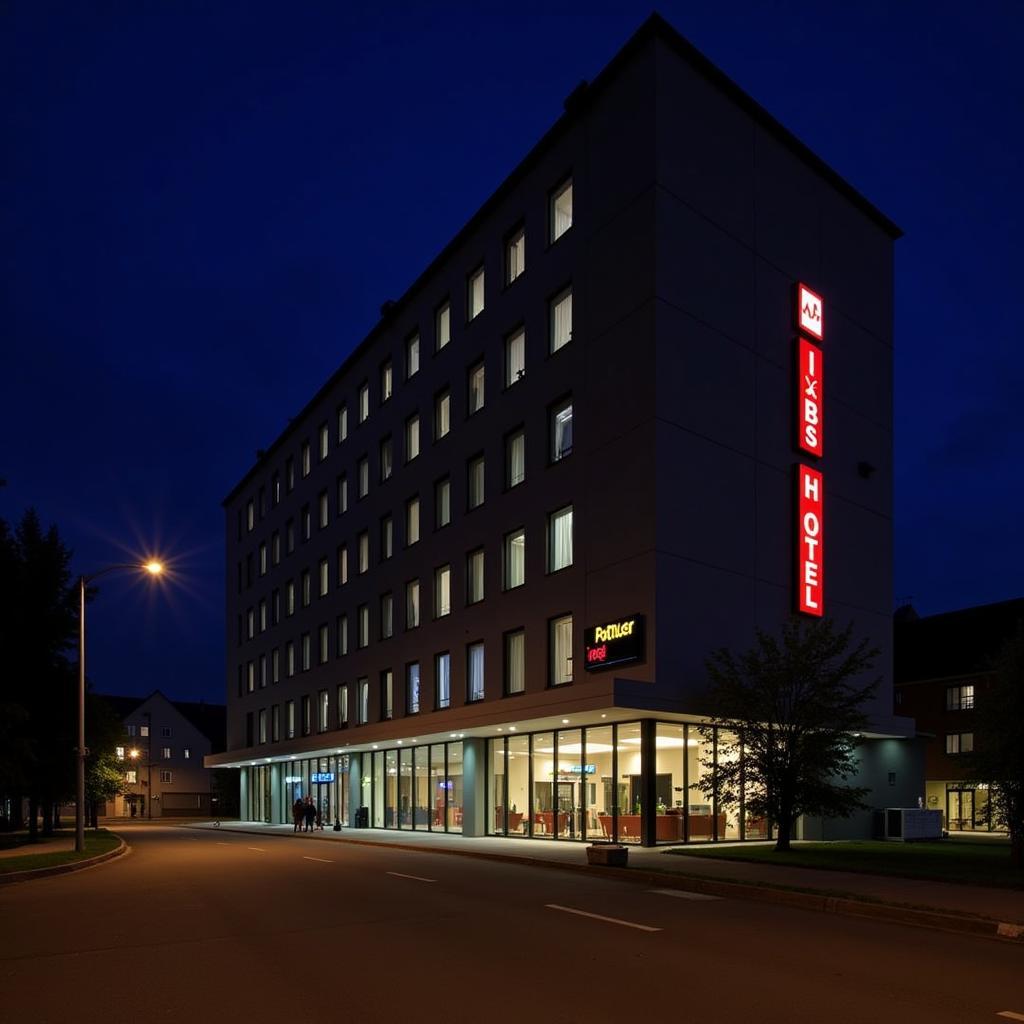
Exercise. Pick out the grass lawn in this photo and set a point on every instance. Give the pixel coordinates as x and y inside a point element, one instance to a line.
<point>96,841</point>
<point>982,863</point>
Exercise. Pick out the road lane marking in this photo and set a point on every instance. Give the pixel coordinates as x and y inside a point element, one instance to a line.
<point>681,895</point>
<point>1010,1015</point>
<point>258,849</point>
<point>320,859</point>
<point>415,878</point>
<point>223,844</point>
<point>601,917</point>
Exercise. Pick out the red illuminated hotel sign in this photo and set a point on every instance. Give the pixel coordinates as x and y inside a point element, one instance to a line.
<point>810,578</point>
<point>810,379</point>
<point>810,382</point>
<point>613,643</point>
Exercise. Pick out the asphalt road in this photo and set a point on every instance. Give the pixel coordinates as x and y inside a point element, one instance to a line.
<point>202,926</point>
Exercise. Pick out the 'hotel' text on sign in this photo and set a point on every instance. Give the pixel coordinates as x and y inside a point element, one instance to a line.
<point>810,579</point>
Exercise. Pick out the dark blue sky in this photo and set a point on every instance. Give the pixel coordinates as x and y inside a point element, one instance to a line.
<point>204,206</point>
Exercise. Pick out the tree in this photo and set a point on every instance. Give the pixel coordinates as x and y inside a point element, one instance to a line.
<point>38,619</point>
<point>998,757</point>
<point>793,707</point>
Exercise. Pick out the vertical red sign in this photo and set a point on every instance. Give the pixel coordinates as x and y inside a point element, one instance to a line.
<point>810,399</point>
<point>810,579</point>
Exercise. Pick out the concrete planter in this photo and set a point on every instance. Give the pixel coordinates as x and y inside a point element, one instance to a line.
<point>612,855</point>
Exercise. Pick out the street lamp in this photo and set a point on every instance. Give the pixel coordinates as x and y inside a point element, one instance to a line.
<point>154,568</point>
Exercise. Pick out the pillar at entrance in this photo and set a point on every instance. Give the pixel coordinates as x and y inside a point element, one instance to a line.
<point>474,787</point>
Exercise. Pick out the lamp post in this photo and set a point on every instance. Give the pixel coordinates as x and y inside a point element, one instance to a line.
<point>154,569</point>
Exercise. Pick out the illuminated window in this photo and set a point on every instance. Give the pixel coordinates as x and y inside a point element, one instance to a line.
<point>560,644</point>
<point>342,627</point>
<point>412,356</point>
<point>561,430</point>
<point>306,653</point>
<point>475,481</point>
<point>363,691</point>
<point>363,563</point>
<point>343,705</point>
<point>275,489</point>
<point>275,666</point>
<point>561,210</point>
<point>363,472</point>
<point>560,539</point>
<point>263,615</point>
<point>119,753</point>
<point>325,441</point>
<point>186,753</point>
<point>323,510</point>
<point>387,538</point>
<point>323,712</point>
<point>363,625</point>
<point>289,475</point>
<point>442,503</point>
<point>560,322</point>
<point>131,777</point>
<point>515,459</point>
<point>412,688</point>
<point>342,494</point>
<point>387,616</point>
<point>387,461</point>
<point>960,698</point>
<point>324,644</point>
<point>386,382</point>
<point>307,716</point>
<point>166,777</point>
<point>412,521</point>
<point>515,559</point>
<point>515,255</point>
<point>442,326</point>
<point>412,437</point>
<point>307,464</point>
<point>475,293</point>
<point>442,591</point>
<point>289,720</point>
<point>325,577</point>
<point>475,395</point>
<point>262,727</point>
<point>515,357</point>
<point>475,671</point>
<point>275,725</point>
<point>412,604</point>
<point>959,743</point>
<point>342,423</point>
<point>263,559</point>
<point>442,414</point>
<point>515,661</point>
<point>342,565</point>
<point>250,515</point>
<point>443,674</point>
<point>364,402</point>
<point>165,753</point>
<point>475,576</point>
<point>387,707</point>
<point>307,588</point>
<point>289,658</point>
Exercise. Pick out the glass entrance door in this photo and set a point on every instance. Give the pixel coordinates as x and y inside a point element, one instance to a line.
<point>568,808</point>
<point>960,809</point>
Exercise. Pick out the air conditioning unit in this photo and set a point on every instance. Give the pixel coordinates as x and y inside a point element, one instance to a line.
<point>910,824</point>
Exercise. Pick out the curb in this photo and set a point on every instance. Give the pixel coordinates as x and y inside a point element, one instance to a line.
<point>63,869</point>
<point>822,902</point>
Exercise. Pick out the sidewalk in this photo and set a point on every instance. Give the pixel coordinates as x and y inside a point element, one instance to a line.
<point>1002,905</point>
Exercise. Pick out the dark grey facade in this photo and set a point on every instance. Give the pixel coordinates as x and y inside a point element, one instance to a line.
<point>693,215</point>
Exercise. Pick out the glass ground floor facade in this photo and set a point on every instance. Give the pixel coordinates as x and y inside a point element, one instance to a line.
<point>644,781</point>
<point>965,806</point>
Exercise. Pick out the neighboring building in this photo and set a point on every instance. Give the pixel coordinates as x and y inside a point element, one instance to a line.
<point>943,669</point>
<point>473,584</point>
<point>163,749</point>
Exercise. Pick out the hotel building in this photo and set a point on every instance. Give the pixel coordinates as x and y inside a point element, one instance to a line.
<point>473,585</point>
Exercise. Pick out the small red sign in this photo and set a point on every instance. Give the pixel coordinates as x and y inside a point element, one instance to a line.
<point>810,312</point>
<point>810,578</point>
<point>810,399</point>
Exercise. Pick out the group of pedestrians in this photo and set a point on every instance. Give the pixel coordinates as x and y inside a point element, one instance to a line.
<point>306,813</point>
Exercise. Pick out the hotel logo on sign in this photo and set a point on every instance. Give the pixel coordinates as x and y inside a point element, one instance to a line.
<point>810,312</point>
<point>614,643</point>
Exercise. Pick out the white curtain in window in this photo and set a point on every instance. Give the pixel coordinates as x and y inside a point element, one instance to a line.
<point>516,459</point>
<point>412,522</point>
<point>515,560</point>
<point>515,358</point>
<point>516,662</point>
<point>444,680</point>
<point>476,672</point>
<point>561,539</point>
<point>476,576</point>
<point>561,321</point>
<point>412,439</point>
<point>562,434</point>
<point>562,650</point>
<point>444,602</point>
<point>412,605</point>
<point>562,212</point>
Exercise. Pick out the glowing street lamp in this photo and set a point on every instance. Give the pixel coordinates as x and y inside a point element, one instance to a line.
<point>154,568</point>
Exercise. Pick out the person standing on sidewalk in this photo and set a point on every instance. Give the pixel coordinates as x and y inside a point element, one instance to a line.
<point>298,812</point>
<point>310,811</point>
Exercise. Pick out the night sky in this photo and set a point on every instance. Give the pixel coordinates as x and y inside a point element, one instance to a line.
<point>204,206</point>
